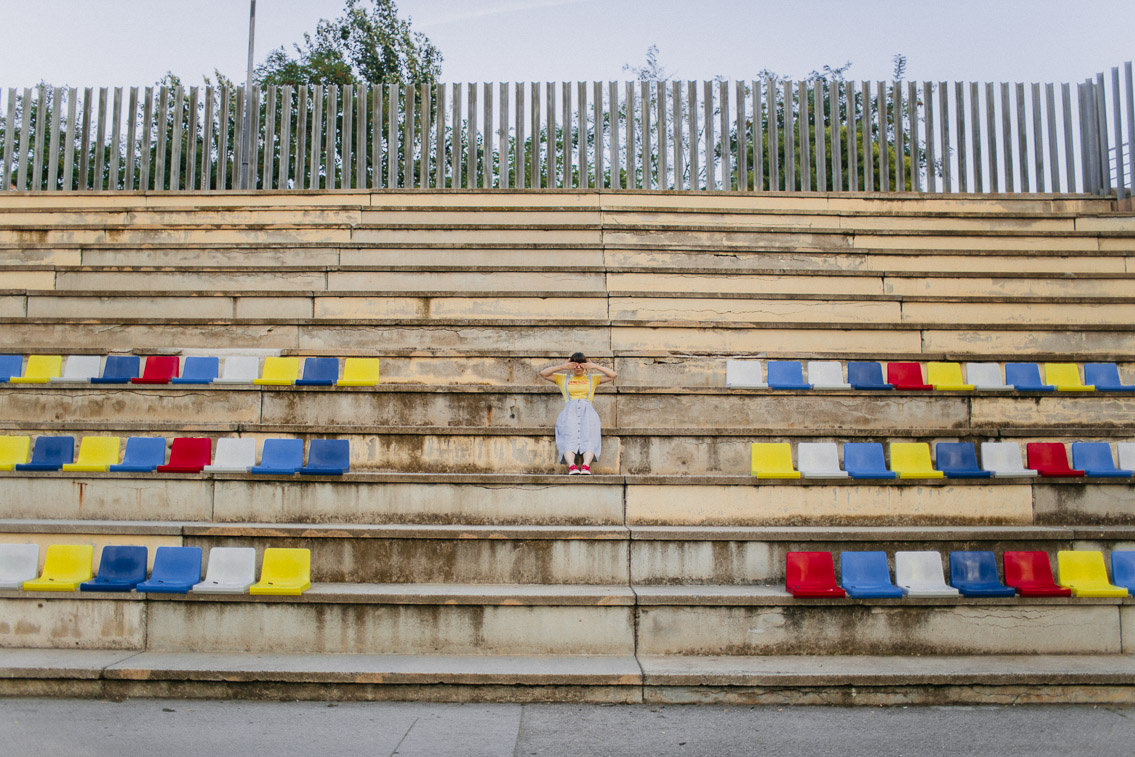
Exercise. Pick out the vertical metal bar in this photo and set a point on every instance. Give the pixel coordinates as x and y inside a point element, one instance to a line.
<point>900,148</point>
<point>85,142</point>
<point>678,136</point>
<point>631,160</point>
<point>207,142</point>
<point>1007,136</point>
<point>100,148</point>
<point>550,139</point>
<point>1086,182</point>
<point>376,131</point>
<point>944,126</point>
<point>597,130</point>
<point>331,129</point>
<point>566,134</point>
<point>960,106</point>
<point>521,174</point>
<point>742,126</point>
<point>254,139</point>
<point>884,144</point>
<point>534,118</point>
<point>471,135</point>
<point>178,135</point>
<point>758,135</point>
<point>789,138</point>
<point>505,159</point>
<point>408,127</point>
<point>131,138</point>
<point>1022,138</point>
<point>915,156</point>
<point>392,141</point>
<point>836,127</point>
<point>301,138</point>
<point>692,118</point>
<point>69,139</point>
<point>348,103</point>
<point>647,148</point>
<point>805,146</point>
<point>852,137</point>
<point>1053,142</point>
<point>663,147</point>
<point>25,135</point>
<point>240,102</point>
<point>1117,116</point>
<point>314,158</point>
<point>710,139</point>
<point>222,141</point>
<point>457,153</point>
<point>1129,89</point>
<point>444,136</point>
<point>726,162</point>
<point>774,135</point>
<point>360,136</point>
<point>9,140</point>
<point>1101,123</point>
<point>868,141</point>
<point>929,131</point>
<point>56,95</point>
<point>616,151</point>
<point>1038,139</point>
<point>284,162</point>
<point>40,130</point>
<point>191,137</point>
<point>584,176</point>
<point>991,134</point>
<point>425,97</point>
<point>975,136</point>
<point>441,118</point>
<point>486,137</point>
<point>821,150</point>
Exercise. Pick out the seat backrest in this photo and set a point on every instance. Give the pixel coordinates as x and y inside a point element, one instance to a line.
<point>864,456</point>
<point>321,369</point>
<point>864,568</point>
<point>361,369</point>
<point>910,457</point>
<point>817,457</point>
<point>1023,375</point>
<point>984,374</point>
<point>241,368</point>
<point>1027,568</point>
<point>973,567</point>
<point>281,368</point>
<point>948,374</point>
<point>69,560</point>
<point>53,449</point>
<point>14,450</point>
<point>286,565</point>
<point>1123,567</point>
<point>200,367</point>
<point>282,453</point>
<point>1094,455</point>
<point>144,450</point>
<point>123,562</point>
<point>825,373</point>
<point>190,451</point>
<point>918,568</point>
<point>1102,375</point>
<point>99,450</point>
<point>772,456</point>
<point>235,452</point>
<point>160,367</point>
<point>864,373</point>
<point>177,564</point>
<point>11,365</point>
<point>1126,453</point>
<point>19,561</point>
<point>329,453</point>
<point>1050,455</point>
<point>231,565</point>
<point>81,367</point>
<point>1001,457</point>
<point>956,456</point>
<point>743,373</point>
<point>43,366</point>
<point>904,374</point>
<point>809,568</point>
<point>121,366</point>
<point>1080,566</point>
<point>790,372</point>
<point>1062,374</point>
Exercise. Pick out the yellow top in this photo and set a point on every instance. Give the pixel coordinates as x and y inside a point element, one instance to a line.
<point>577,387</point>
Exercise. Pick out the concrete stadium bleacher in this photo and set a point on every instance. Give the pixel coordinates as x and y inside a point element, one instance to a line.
<point>455,560</point>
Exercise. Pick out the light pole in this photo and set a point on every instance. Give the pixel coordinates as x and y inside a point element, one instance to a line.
<point>246,141</point>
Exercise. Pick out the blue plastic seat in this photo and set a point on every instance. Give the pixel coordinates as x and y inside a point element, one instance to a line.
<point>119,369</point>
<point>319,371</point>
<point>198,370</point>
<point>786,374</point>
<point>11,365</point>
<point>1025,377</point>
<point>959,460</point>
<point>280,456</point>
<point>327,457</point>
<point>1123,569</point>
<point>50,453</point>
<point>143,455</point>
<point>121,568</point>
<point>866,376</point>
<point>1105,378</point>
<point>865,574</point>
<point>176,571</point>
<point>974,574</point>
<point>866,460</point>
<point>1094,458</point>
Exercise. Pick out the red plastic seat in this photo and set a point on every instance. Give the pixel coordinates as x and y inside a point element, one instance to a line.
<point>906,376</point>
<point>188,455</point>
<point>159,370</point>
<point>1050,459</point>
<point>1030,573</point>
<point>811,574</point>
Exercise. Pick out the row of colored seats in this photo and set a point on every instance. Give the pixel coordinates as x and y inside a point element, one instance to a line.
<point>177,570</point>
<point>1023,377</point>
<point>146,454</point>
<point>1080,573</point>
<point>169,369</point>
<point>865,460</point>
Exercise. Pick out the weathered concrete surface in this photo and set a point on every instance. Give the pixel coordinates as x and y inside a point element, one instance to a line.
<point>1081,342</point>
<point>756,284</point>
<point>786,340</point>
<point>1026,262</point>
<point>466,281</point>
<point>37,403</point>
<point>568,309</point>
<point>1022,313</point>
<point>861,629</point>
<point>1064,504</point>
<point>189,280</point>
<point>1067,409</point>
<point>827,505</point>
<point>107,497</point>
<point>754,310</point>
<point>60,622</point>
<point>983,287</point>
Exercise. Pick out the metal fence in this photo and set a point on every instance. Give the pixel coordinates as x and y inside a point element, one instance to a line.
<point>760,135</point>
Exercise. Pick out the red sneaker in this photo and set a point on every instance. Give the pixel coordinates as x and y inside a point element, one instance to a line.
<point>585,470</point>
<point>574,470</point>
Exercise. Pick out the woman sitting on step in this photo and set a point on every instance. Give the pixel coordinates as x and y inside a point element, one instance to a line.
<point>577,427</point>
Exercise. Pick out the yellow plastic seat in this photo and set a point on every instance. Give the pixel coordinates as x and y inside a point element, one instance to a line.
<point>284,572</point>
<point>96,454</point>
<point>279,371</point>
<point>64,568</point>
<point>14,451</point>
<point>40,369</point>
<point>773,460</point>
<point>359,371</point>
<point>1083,571</point>
<point>912,460</point>
<point>1065,377</point>
<point>947,377</point>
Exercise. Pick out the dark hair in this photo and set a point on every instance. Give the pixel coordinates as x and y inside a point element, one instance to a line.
<point>577,357</point>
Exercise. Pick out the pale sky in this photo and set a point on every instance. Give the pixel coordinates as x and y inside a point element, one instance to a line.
<point>134,42</point>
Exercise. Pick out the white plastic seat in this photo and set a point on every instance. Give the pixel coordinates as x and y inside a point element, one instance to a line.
<point>819,460</point>
<point>919,574</point>
<point>986,377</point>
<point>1003,460</point>
<point>79,369</point>
<point>826,374</point>
<point>233,456</point>
<point>18,563</point>
<point>1126,451</point>
<point>231,570</point>
<point>239,369</point>
<point>744,374</point>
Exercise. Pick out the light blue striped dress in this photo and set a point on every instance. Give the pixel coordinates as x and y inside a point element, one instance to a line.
<point>577,428</point>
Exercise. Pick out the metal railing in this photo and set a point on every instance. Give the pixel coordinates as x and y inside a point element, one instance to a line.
<point>761,135</point>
